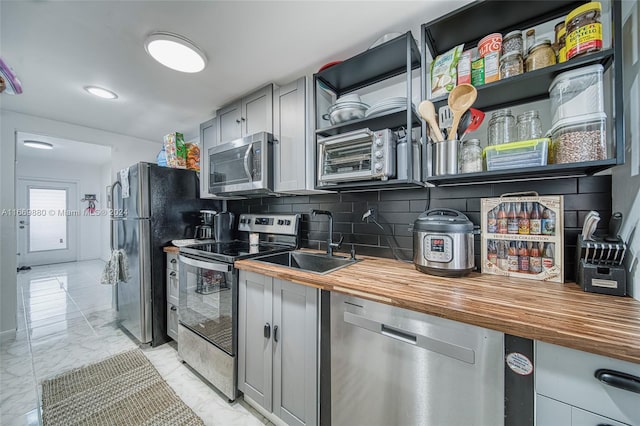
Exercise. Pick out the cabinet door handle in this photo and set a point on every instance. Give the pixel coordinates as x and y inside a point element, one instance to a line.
<point>619,380</point>
<point>267,331</point>
<point>237,121</point>
<point>173,274</point>
<point>174,261</point>
<point>173,308</point>
<point>275,333</point>
<point>243,119</point>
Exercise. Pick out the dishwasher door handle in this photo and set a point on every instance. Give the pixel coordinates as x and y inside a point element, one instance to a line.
<point>444,348</point>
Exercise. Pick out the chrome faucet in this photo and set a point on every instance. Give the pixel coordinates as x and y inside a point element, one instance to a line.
<point>330,244</point>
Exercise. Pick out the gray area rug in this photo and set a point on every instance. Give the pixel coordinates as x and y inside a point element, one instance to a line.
<point>124,389</point>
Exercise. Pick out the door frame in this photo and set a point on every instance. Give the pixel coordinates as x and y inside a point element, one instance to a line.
<point>23,183</point>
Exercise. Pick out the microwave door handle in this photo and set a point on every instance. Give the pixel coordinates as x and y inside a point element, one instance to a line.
<point>246,163</point>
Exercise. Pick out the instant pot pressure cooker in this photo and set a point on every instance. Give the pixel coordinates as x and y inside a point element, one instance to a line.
<point>443,243</point>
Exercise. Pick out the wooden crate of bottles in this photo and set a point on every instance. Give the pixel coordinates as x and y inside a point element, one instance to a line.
<point>523,237</point>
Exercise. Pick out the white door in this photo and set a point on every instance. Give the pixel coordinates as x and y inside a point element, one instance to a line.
<point>47,219</point>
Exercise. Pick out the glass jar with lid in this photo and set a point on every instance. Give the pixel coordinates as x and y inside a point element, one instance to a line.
<point>470,156</point>
<point>511,64</point>
<point>540,55</point>
<point>529,126</point>
<point>512,42</point>
<point>502,127</point>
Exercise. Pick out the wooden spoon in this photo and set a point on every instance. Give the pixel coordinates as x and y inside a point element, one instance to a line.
<point>428,113</point>
<point>460,100</point>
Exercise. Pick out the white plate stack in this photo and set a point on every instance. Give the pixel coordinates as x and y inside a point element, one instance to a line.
<point>386,105</point>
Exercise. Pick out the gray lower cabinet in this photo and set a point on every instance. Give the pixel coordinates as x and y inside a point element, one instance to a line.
<point>172,295</point>
<point>568,391</point>
<point>278,347</point>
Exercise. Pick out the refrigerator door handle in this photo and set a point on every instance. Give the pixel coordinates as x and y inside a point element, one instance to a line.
<point>213,266</point>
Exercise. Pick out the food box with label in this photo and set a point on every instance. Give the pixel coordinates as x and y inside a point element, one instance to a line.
<point>523,236</point>
<point>512,155</point>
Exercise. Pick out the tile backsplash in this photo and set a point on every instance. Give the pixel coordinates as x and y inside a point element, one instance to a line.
<point>397,210</point>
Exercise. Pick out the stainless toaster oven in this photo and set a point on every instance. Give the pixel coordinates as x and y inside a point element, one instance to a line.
<point>358,155</point>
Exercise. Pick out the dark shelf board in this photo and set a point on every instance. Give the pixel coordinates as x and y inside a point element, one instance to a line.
<point>529,86</point>
<point>373,184</point>
<point>390,120</point>
<point>528,173</point>
<point>371,66</point>
<point>471,23</point>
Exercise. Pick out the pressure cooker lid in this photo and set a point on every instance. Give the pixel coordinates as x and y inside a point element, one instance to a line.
<point>443,220</point>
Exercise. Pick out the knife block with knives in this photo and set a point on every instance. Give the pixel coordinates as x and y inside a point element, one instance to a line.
<point>599,259</point>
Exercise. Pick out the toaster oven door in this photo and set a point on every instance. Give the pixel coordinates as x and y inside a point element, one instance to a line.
<point>346,157</point>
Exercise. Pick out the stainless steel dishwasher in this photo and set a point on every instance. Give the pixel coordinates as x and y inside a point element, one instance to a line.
<point>393,366</point>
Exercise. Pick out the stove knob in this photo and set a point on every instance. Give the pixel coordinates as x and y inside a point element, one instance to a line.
<point>378,167</point>
<point>287,222</point>
<point>379,142</point>
<point>379,154</point>
<point>280,222</point>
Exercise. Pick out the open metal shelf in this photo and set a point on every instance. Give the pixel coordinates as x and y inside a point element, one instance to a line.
<point>389,120</point>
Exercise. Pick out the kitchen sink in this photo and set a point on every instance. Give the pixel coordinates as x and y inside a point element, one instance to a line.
<point>308,262</point>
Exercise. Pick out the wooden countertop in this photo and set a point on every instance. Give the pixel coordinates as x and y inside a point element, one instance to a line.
<point>561,314</point>
<point>171,249</point>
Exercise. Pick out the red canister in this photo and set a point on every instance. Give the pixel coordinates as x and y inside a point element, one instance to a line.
<point>489,49</point>
<point>490,43</point>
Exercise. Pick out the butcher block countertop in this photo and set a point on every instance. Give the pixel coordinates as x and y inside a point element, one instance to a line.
<point>561,314</point>
<point>171,249</point>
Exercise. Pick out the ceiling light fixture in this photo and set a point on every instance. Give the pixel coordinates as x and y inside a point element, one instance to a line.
<point>175,52</point>
<point>38,144</point>
<point>101,92</point>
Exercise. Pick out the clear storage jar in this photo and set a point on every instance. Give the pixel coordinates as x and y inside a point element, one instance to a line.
<point>512,42</point>
<point>578,139</point>
<point>471,156</point>
<point>529,126</point>
<point>541,55</point>
<point>511,64</point>
<point>502,127</point>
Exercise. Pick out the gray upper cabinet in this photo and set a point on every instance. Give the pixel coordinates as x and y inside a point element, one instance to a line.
<point>277,347</point>
<point>208,138</point>
<point>251,114</point>
<point>294,153</point>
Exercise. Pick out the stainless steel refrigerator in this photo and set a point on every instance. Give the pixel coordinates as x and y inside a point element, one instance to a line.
<point>163,204</point>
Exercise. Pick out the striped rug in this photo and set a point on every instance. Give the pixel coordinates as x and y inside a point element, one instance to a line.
<point>124,389</point>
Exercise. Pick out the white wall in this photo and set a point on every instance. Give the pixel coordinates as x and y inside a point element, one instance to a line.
<point>626,178</point>
<point>126,150</point>
<point>88,178</point>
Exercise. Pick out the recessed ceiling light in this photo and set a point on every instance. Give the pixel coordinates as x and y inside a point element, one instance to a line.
<point>100,92</point>
<point>175,52</point>
<point>38,144</point>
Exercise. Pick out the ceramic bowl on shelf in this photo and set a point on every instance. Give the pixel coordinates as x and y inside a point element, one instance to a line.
<point>345,111</point>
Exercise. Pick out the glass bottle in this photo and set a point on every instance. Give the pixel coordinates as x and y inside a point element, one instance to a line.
<point>523,257</point>
<point>548,222</point>
<point>529,126</point>
<point>503,263</point>
<point>512,257</point>
<point>512,219</point>
<point>535,220</point>
<point>502,220</point>
<point>492,222</point>
<point>502,127</point>
<point>535,258</point>
<point>547,256</point>
<point>523,220</point>
<point>492,252</point>
<point>471,156</point>
<point>529,40</point>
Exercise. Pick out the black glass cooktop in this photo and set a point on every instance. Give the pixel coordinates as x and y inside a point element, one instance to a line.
<point>228,251</point>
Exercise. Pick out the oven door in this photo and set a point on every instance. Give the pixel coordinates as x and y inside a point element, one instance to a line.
<point>208,300</point>
<point>242,166</point>
<point>346,157</point>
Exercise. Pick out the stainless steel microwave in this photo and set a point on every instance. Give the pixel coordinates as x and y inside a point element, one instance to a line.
<point>243,166</point>
<point>354,156</point>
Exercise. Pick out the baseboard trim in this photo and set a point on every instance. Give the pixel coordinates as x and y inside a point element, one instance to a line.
<point>7,335</point>
<point>269,416</point>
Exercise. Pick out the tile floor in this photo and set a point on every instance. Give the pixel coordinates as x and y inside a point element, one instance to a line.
<point>65,320</point>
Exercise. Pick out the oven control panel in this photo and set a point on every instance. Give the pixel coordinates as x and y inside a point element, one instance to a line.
<point>284,224</point>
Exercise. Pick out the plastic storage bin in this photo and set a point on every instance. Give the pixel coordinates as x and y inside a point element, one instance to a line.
<point>515,155</point>
<point>577,92</point>
<point>578,139</point>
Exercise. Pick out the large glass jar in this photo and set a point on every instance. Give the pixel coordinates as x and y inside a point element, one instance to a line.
<point>540,55</point>
<point>502,127</point>
<point>511,64</point>
<point>471,156</point>
<point>529,126</point>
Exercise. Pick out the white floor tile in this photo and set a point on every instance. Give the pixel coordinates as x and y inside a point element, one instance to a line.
<point>65,321</point>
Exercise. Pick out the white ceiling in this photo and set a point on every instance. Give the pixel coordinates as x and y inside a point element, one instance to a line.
<point>57,47</point>
<point>63,150</point>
